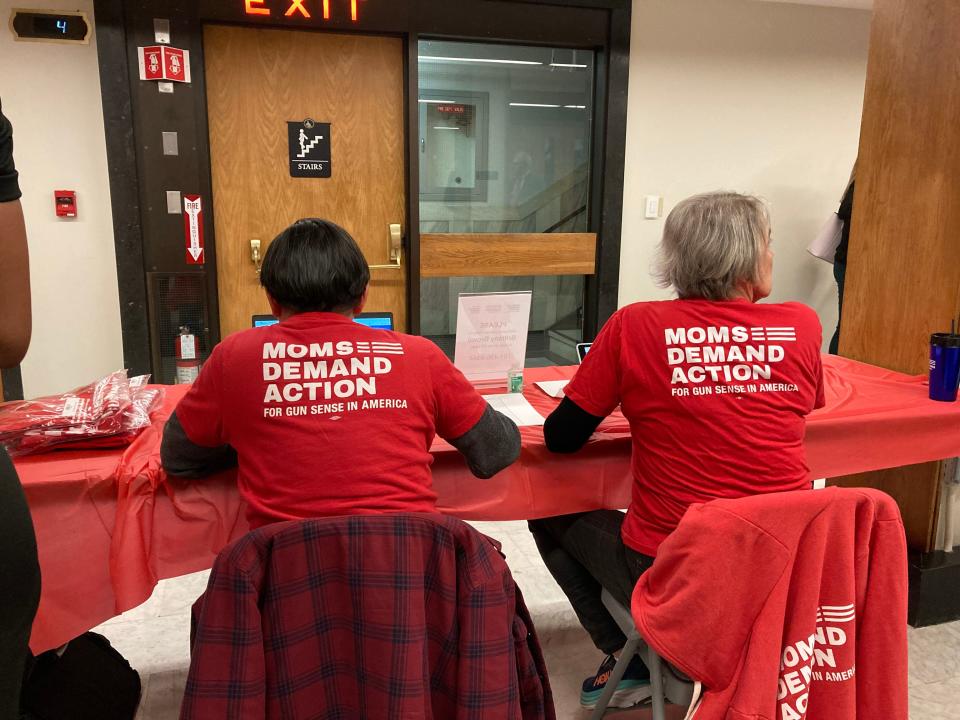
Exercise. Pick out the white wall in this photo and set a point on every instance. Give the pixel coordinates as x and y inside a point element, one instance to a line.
<point>763,98</point>
<point>51,94</point>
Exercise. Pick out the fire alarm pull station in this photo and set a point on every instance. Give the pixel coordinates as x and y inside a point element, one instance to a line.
<point>66,201</point>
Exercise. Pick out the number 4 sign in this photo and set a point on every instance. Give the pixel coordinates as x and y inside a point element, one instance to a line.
<point>193,229</point>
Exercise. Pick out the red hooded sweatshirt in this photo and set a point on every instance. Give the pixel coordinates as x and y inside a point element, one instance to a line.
<point>787,606</point>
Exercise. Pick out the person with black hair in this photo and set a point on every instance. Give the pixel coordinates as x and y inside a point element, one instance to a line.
<point>19,568</point>
<point>325,416</point>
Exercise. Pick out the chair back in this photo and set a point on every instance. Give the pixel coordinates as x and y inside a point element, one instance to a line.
<point>412,615</point>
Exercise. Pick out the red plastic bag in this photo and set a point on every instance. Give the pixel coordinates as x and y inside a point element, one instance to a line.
<point>108,413</point>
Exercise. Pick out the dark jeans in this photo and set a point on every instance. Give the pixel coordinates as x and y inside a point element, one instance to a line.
<point>19,586</point>
<point>584,553</point>
<point>839,273</point>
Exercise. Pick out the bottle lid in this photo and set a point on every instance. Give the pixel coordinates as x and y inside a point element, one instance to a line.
<point>950,340</point>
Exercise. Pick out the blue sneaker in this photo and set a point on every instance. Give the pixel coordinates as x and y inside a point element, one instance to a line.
<point>634,686</point>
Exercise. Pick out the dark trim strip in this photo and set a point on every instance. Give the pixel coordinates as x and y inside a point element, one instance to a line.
<point>411,93</point>
<point>599,4</point>
<point>12,384</point>
<point>614,137</point>
<point>124,183</point>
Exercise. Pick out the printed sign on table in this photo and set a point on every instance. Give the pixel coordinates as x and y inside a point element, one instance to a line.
<point>309,144</point>
<point>492,334</point>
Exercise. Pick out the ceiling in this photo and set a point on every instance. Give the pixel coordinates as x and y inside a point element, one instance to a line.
<point>859,4</point>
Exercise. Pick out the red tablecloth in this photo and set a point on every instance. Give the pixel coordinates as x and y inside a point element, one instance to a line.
<point>111,524</point>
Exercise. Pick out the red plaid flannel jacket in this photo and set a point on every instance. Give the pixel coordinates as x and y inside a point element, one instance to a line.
<point>368,616</point>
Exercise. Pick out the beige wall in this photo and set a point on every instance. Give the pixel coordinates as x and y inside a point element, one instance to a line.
<point>763,98</point>
<point>756,97</point>
<point>51,93</point>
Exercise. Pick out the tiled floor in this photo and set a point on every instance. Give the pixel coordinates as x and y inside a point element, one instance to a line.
<point>154,638</point>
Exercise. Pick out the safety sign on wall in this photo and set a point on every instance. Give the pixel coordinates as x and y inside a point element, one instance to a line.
<point>162,62</point>
<point>193,229</point>
<point>309,144</point>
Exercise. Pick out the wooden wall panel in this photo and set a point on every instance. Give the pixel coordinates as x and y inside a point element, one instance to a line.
<point>903,273</point>
<point>903,276</point>
<point>515,254</point>
<point>909,486</point>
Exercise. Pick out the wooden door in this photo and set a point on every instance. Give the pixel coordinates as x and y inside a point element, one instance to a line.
<point>257,81</point>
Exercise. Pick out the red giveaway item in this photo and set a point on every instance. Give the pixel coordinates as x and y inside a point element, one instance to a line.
<point>110,411</point>
<point>145,399</point>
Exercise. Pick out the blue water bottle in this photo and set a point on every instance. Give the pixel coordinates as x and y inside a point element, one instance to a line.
<point>944,366</point>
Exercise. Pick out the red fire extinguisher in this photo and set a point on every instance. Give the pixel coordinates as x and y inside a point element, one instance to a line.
<point>188,364</point>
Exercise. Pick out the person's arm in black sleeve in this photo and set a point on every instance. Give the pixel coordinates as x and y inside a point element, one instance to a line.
<point>568,428</point>
<point>15,321</point>
<point>181,457</point>
<point>596,386</point>
<point>195,443</point>
<point>490,445</point>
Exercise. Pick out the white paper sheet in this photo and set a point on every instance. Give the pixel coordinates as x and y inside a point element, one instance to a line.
<point>491,334</point>
<point>824,245</point>
<point>553,388</point>
<point>516,407</point>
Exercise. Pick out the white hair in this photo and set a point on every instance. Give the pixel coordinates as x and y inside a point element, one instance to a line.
<point>711,244</point>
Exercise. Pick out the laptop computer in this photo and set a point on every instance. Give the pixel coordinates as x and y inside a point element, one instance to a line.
<point>582,350</point>
<point>375,320</point>
<point>264,320</point>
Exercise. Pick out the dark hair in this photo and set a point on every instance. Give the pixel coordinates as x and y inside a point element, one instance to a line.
<point>315,266</point>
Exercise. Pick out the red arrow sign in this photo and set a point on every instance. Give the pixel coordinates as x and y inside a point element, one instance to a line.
<point>193,228</point>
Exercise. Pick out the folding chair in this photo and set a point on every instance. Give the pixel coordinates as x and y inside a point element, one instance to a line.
<point>664,682</point>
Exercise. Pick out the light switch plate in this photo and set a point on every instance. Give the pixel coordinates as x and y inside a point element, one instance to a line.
<point>173,202</point>
<point>653,206</point>
<point>165,87</point>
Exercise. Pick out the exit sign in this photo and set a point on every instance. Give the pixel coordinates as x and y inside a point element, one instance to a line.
<point>305,9</point>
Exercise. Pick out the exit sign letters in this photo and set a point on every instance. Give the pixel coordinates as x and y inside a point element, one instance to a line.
<point>322,9</point>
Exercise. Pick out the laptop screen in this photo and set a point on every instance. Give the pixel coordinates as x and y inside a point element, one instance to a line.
<point>377,321</point>
<point>582,350</point>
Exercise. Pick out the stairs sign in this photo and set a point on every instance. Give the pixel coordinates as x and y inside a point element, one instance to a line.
<point>309,144</point>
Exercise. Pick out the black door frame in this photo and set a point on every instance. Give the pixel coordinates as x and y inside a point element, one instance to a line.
<point>148,240</point>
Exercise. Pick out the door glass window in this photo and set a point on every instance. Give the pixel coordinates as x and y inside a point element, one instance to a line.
<point>504,140</point>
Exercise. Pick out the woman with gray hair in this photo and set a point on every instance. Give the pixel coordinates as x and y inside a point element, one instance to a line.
<point>716,388</point>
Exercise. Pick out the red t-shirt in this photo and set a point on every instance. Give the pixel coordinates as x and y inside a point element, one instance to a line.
<point>329,417</point>
<point>715,393</point>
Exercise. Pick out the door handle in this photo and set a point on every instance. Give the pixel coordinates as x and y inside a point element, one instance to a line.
<point>255,256</point>
<point>396,249</point>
